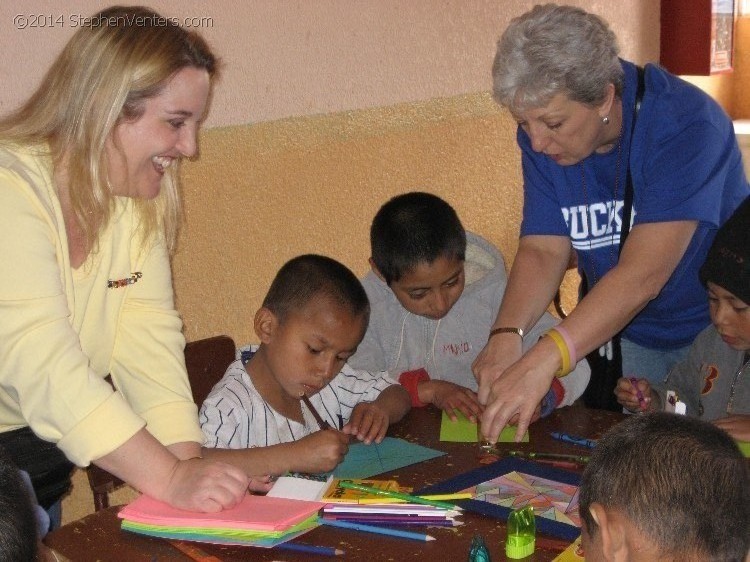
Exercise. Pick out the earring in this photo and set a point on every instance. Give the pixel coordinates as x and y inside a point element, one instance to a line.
<point>605,119</point>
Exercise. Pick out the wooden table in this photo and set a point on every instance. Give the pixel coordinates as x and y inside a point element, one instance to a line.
<point>98,537</point>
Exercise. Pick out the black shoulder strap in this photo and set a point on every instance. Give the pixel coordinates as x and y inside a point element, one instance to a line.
<point>627,208</point>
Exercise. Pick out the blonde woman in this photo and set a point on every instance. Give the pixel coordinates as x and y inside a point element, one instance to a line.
<point>88,216</point>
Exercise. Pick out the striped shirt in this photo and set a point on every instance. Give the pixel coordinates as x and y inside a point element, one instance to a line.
<point>235,415</point>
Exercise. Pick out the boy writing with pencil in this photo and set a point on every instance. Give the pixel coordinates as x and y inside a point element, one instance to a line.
<point>267,413</point>
<point>435,290</point>
<point>714,380</point>
<point>665,487</point>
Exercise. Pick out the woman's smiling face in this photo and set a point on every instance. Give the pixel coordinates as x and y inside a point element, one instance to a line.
<point>140,150</point>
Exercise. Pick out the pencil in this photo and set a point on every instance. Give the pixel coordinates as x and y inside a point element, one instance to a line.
<point>398,495</point>
<point>378,530</point>
<point>193,552</point>
<point>574,458</point>
<point>310,548</point>
<point>323,424</point>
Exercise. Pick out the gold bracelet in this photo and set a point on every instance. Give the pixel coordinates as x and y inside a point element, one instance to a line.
<point>505,330</point>
<point>564,352</point>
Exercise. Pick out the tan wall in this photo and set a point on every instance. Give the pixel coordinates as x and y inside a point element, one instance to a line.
<point>741,87</point>
<point>287,58</point>
<point>312,184</point>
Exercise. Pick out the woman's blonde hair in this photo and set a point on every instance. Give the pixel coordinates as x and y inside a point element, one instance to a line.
<point>119,58</point>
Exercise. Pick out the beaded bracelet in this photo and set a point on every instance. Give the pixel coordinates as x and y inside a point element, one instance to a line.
<point>564,352</point>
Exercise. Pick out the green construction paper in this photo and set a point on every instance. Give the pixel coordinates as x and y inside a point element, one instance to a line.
<point>463,430</point>
<point>744,447</point>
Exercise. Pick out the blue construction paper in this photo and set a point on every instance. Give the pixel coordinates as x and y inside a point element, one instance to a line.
<point>500,468</point>
<point>364,461</point>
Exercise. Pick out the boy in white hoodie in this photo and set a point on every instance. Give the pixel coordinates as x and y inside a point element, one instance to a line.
<point>434,293</point>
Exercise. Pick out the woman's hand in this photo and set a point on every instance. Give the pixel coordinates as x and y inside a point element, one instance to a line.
<point>501,351</point>
<point>738,426</point>
<point>518,391</point>
<point>450,397</point>
<point>207,486</point>
<point>260,483</point>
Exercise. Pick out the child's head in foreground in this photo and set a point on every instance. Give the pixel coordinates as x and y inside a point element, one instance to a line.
<point>662,486</point>
<point>18,527</point>
<point>726,274</point>
<point>311,321</point>
<point>418,249</point>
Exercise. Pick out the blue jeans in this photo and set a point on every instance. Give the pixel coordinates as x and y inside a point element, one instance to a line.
<point>55,515</point>
<point>651,364</point>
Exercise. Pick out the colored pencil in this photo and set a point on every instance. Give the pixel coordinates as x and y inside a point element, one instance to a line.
<point>377,530</point>
<point>560,464</point>
<point>310,548</point>
<point>580,459</point>
<point>398,495</point>
<point>323,424</point>
<point>193,552</point>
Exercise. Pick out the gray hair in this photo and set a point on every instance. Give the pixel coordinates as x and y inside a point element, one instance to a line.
<point>555,49</point>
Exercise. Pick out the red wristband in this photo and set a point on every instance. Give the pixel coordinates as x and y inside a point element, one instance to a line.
<point>559,391</point>
<point>410,381</point>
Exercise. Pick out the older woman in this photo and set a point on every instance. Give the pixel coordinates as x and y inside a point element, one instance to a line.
<point>88,215</point>
<point>557,71</point>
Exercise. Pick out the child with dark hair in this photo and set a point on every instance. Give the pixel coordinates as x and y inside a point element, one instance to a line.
<point>435,290</point>
<point>310,323</point>
<point>662,486</point>
<point>19,534</point>
<point>714,380</point>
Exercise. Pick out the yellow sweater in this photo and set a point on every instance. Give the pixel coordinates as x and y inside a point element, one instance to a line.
<point>63,330</point>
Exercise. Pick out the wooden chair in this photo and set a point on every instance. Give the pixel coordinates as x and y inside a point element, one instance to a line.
<point>206,361</point>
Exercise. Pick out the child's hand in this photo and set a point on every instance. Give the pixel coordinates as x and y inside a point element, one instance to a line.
<point>321,451</point>
<point>738,426</point>
<point>449,397</point>
<point>368,422</point>
<point>627,394</point>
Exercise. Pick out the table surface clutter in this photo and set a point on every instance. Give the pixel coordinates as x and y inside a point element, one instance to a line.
<point>99,537</point>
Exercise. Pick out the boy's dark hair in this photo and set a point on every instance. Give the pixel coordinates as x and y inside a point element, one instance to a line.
<point>728,261</point>
<point>308,276</point>
<point>414,228</point>
<point>681,481</point>
<point>18,530</point>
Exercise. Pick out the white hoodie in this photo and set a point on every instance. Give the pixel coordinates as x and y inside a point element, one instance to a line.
<point>397,340</point>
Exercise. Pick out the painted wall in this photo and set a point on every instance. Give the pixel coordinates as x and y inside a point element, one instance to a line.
<point>299,57</point>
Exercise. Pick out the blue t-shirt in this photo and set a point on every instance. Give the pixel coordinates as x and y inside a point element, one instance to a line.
<point>685,165</point>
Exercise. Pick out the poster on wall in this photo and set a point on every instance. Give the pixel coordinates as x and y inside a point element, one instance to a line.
<point>722,35</point>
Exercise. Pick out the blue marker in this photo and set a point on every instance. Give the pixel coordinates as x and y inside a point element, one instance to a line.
<point>590,443</point>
